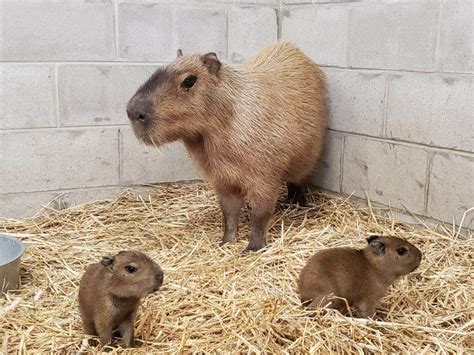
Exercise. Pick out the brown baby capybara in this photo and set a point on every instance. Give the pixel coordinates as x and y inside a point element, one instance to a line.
<point>361,277</point>
<point>110,292</point>
<point>250,128</point>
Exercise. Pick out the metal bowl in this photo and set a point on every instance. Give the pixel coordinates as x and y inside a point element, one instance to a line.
<point>11,250</point>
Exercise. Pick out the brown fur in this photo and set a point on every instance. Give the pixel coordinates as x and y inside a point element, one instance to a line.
<point>109,295</point>
<point>250,128</point>
<point>360,276</point>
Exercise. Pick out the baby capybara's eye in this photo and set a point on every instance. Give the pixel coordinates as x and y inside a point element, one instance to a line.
<point>402,251</point>
<point>130,269</point>
<point>188,82</point>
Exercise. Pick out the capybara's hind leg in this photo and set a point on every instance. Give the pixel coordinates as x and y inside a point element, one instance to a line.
<point>261,213</point>
<point>230,206</point>
<point>296,194</point>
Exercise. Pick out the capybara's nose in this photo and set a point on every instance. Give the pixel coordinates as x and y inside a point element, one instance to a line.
<point>137,116</point>
<point>159,278</point>
<point>137,111</point>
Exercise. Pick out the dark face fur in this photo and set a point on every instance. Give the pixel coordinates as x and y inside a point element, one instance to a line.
<point>133,274</point>
<point>394,254</point>
<point>174,102</point>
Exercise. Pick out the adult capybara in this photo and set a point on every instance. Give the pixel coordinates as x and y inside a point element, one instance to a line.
<point>110,292</point>
<point>250,128</point>
<point>360,276</point>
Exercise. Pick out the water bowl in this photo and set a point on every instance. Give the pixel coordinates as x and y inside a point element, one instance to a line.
<point>11,250</point>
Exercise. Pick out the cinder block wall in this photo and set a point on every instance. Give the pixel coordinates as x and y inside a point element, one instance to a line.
<point>400,76</point>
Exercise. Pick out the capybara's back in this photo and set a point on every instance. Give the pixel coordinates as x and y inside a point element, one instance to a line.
<point>290,91</point>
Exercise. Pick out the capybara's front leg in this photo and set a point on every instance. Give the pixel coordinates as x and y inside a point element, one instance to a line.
<point>230,206</point>
<point>262,211</point>
<point>104,330</point>
<point>126,331</point>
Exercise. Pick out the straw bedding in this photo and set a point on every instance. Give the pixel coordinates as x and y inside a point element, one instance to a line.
<point>218,300</point>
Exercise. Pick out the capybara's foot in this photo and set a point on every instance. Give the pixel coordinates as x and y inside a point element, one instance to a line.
<point>93,342</point>
<point>254,246</point>
<point>224,242</point>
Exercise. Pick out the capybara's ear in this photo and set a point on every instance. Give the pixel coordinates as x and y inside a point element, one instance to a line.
<point>371,238</point>
<point>377,246</point>
<point>107,260</point>
<point>179,53</point>
<point>211,62</point>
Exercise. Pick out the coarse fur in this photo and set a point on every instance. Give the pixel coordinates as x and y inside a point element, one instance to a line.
<point>250,128</point>
<point>110,292</point>
<point>361,277</point>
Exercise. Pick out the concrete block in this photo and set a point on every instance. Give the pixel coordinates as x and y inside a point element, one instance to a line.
<point>24,205</point>
<point>143,164</point>
<point>57,30</point>
<point>58,159</point>
<point>451,189</point>
<point>145,32</point>
<point>356,101</point>
<point>432,109</point>
<point>390,174</point>
<point>98,94</point>
<point>321,32</point>
<point>155,31</point>
<point>200,30</point>
<point>457,36</point>
<point>393,35</point>
<point>327,173</point>
<point>27,96</point>
<point>250,29</point>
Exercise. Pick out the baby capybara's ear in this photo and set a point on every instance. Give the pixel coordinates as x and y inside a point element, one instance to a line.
<point>179,53</point>
<point>211,62</point>
<point>377,246</point>
<point>108,260</point>
<point>371,238</point>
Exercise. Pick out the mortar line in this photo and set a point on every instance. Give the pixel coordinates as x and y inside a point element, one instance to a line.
<point>69,189</point>
<point>429,167</point>
<point>341,163</point>
<point>56,95</point>
<point>405,143</point>
<point>120,155</point>
<point>385,105</point>
<point>19,130</point>
<point>227,28</point>
<point>438,35</point>
<point>116,24</point>
<point>279,18</point>
<point>137,62</point>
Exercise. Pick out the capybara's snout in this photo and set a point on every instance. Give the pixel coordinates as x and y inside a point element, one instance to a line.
<point>139,109</point>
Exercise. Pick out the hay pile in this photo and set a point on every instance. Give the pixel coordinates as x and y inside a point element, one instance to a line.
<point>216,300</point>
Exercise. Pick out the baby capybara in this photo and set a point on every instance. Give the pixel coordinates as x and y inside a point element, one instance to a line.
<point>110,292</point>
<point>361,277</point>
<point>250,128</point>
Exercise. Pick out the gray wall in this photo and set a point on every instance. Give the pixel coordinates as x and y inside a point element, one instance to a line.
<point>400,77</point>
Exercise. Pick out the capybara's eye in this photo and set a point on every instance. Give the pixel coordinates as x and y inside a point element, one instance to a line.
<point>402,251</point>
<point>188,82</point>
<point>130,269</point>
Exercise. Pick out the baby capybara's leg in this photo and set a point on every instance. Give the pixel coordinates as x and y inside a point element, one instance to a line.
<point>230,206</point>
<point>104,330</point>
<point>126,330</point>
<point>296,194</point>
<point>89,327</point>
<point>365,308</point>
<point>262,209</point>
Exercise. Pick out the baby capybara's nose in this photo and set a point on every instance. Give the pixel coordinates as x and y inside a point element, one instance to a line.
<point>159,278</point>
